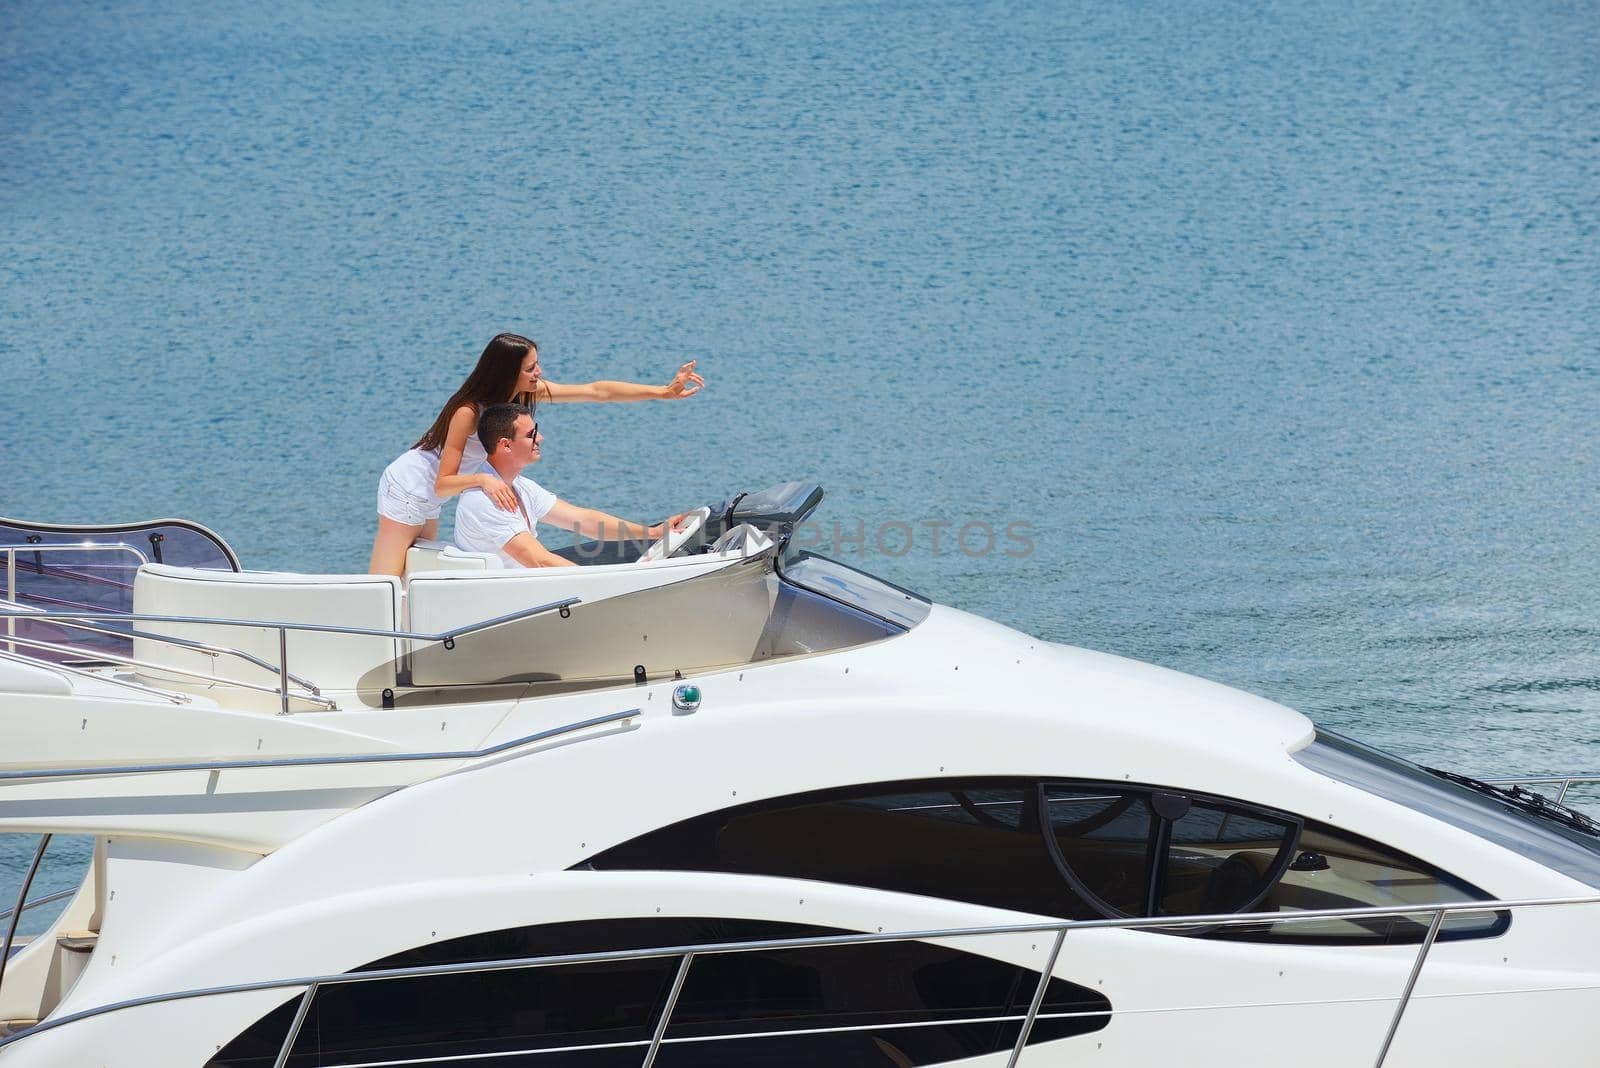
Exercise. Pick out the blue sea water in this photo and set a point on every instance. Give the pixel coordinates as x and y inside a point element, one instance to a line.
<point>1275,323</point>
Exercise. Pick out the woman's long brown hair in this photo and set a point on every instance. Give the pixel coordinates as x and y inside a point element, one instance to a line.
<point>489,383</point>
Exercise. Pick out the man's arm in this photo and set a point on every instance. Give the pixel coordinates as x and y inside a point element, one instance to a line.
<point>528,551</point>
<point>602,526</point>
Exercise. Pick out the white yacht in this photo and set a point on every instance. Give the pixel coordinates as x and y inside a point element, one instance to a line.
<point>722,802</point>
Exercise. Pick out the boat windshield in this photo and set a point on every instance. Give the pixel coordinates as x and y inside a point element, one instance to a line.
<point>857,589</point>
<point>1541,831</point>
<point>56,568</point>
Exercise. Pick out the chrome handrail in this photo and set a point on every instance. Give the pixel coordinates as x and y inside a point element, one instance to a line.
<point>446,637</point>
<point>1045,975</point>
<point>11,552</point>
<point>39,902</point>
<point>83,571</point>
<point>1566,782</point>
<point>170,669</point>
<point>22,901</point>
<point>1059,927</point>
<point>1411,984</point>
<point>655,1039</point>
<point>314,761</point>
<point>204,648</point>
<point>33,661</point>
<point>320,628</point>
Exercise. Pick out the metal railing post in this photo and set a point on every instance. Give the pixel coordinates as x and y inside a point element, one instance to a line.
<point>1562,795</point>
<point>22,899</point>
<point>11,592</point>
<point>666,1011</point>
<point>1038,999</point>
<point>283,669</point>
<point>294,1028</point>
<point>1411,984</point>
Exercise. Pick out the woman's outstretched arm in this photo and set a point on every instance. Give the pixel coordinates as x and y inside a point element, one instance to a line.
<point>684,384</point>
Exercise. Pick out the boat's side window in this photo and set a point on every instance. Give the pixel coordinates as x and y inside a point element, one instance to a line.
<point>1143,852</point>
<point>888,1004</point>
<point>972,841</point>
<point>1103,839</point>
<point>1078,850</point>
<point>1335,870</point>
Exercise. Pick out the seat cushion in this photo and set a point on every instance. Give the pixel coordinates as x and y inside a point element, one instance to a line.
<point>329,661</point>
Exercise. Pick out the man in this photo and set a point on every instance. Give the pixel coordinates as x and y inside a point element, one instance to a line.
<point>512,439</point>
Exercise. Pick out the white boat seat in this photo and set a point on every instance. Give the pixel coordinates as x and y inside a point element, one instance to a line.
<point>429,554</point>
<point>330,661</point>
<point>455,558</point>
<point>442,601</point>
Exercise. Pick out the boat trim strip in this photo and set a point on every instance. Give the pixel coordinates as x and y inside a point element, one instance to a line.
<point>308,761</point>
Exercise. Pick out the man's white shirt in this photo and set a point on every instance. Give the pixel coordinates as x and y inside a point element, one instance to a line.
<point>484,527</point>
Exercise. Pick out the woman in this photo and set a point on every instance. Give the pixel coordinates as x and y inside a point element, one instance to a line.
<point>449,459</point>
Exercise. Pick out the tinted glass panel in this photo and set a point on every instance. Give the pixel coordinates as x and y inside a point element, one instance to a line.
<point>491,1012</point>
<point>911,1003</point>
<point>983,842</point>
<point>1221,858</point>
<point>1105,838</point>
<point>95,579</point>
<point>977,842</point>
<point>880,984</point>
<point>1332,870</point>
<point>856,588</point>
<point>1568,850</point>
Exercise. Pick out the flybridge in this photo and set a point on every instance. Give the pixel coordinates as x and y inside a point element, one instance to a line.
<point>161,610</point>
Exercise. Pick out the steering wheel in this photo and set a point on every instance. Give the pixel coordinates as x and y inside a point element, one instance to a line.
<point>673,540</point>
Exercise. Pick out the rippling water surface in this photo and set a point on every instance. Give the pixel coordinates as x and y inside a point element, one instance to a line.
<point>1277,326</point>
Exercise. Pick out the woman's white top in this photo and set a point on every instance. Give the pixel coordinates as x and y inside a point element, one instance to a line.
<point>416,470</point>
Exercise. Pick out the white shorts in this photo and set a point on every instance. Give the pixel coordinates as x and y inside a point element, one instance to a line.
<point>405,492</point>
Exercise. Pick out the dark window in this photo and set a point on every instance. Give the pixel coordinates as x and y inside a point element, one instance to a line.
<point>1334,870</point>
<point>904,1003</point>
<point>1104,840</point>
<point>907,1003</point>
<point>1111,850</point>
<point>526,1011</point>
<point>977,842</point>
<point>1142,852</point>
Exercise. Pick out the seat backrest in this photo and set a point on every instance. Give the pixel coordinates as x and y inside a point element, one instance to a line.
<point>428,554</point>
<point>455,558</point>
<point>329,661</point>
<point>441,602</point>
